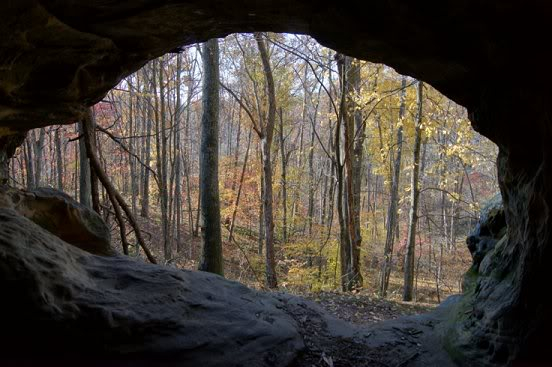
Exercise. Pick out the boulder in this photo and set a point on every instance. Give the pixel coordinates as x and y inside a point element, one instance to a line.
<point>62,216</point>
<point>63,303</point>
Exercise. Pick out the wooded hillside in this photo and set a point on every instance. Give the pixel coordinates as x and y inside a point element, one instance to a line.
<point>320,160</point>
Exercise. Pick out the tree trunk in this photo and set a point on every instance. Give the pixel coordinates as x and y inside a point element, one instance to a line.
<point>38,152</point>
<point>260,245</point>
<point>237,150</point>
<point>344,239</point>
<point>344,243</point>
<point>304,111</point>
<point>240,186</point>
<point>187,163</point>
<point>29,164</point>
<point>85,187</point>
<point>208,179</point>
<point>59,159</point>
<point>114,195</point>
<point>355,142</point>
<point>161,151</point>
<point>144,212</point>
<point>167,251</point>
<point>267,131</point>
<point>131,159</point>
<point>310,214</point>
<point>283,179</point>
<point>178,157</point>
<point>393,201</point>
<point>89,129</point>
<point>414,196</point>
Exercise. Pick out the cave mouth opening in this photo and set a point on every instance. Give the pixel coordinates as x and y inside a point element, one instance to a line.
<point>458,171</point>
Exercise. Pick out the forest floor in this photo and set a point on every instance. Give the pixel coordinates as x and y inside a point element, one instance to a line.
<point>361,309</point>
<point>383,333</point>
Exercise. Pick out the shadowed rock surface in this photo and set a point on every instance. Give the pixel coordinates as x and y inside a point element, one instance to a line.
<point>8,145</point>
<point>75,306</point>
<point>487,277</point>
<point>59,56</point>
<point>490,229</point>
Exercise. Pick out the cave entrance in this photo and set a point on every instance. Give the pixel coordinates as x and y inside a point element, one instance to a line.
<point>457,170</point>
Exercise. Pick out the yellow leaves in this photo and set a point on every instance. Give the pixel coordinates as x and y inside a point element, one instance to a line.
<point>365,98</point>
<point>428,131</point>
<point>475,207</point>
<point>400,122</point>
<point>454,196</point>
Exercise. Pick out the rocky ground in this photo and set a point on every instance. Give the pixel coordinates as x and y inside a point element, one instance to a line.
<point>368,331</point>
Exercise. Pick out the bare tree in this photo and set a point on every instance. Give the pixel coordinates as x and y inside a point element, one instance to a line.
<point>147,113</point>
<point>208,179</point>
<point>266,135</point>
<point>85,186</point>
<point>414,196</point>
<point>59,159</point>
<point>394,200</point>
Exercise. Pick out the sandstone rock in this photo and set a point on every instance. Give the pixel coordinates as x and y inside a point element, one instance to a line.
<point>490,229</point>
<point>8,145</point>
<point>62,306</point>
<point>480,333</point>
<point>61,302</point>
<point>62,216</point>
<point>57,59</point>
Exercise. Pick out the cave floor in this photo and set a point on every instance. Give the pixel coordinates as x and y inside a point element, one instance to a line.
<point>369,332</point>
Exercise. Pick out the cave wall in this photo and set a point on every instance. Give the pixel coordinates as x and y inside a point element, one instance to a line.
<point>59,56</point>
<point>505,318</point>
<point>8,145</point>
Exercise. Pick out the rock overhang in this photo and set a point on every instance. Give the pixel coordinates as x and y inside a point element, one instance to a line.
<point>60,56</point>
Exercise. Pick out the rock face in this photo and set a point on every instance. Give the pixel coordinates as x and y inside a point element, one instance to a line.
<point>8,144</point>
<point>56,59</point>
<point>481,326</point>
<point>67,304</point>
<point>62,216</point>
<point>490,229</point>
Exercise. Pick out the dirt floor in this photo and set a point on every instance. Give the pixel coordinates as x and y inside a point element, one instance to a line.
<point>362,331</point>
<point>361,309</point>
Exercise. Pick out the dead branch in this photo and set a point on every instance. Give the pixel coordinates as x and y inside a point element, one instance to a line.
<point>114,195</point>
